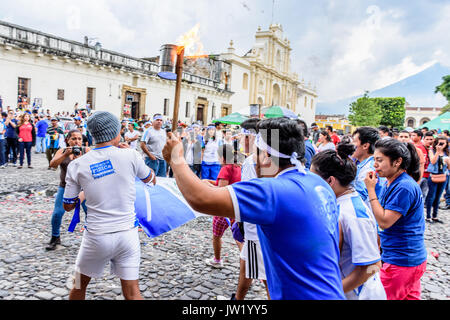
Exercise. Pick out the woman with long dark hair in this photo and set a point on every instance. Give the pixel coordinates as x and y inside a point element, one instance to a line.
<point>358,242</point>
<point>400,218</point>
<point>27,138</point>
<point>437,181</point>
<point>325,142</point>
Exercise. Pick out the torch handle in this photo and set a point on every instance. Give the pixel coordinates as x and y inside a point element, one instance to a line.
<point>179,72</point>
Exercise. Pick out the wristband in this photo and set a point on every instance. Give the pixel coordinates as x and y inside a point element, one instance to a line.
<point>373,199</point>
<point>151,180</point>
<point>153,177</point>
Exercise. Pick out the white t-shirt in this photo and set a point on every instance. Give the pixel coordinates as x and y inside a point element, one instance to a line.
<point>190,153</point>
<point>248,173</point>
<point>210,154</point>
<point>134,134</point>
<point>328,146</point>
<point>155,140</point>
<point>360,246</point>
<point>107,176</point>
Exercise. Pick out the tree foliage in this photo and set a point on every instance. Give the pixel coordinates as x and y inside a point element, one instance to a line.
<point>444,88</point>
<point>393,110</point>
<point>445,109</point>
<point>373,112</point>
<point>365,112</point>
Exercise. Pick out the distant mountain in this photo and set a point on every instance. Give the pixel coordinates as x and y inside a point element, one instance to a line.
<point>418,91</point>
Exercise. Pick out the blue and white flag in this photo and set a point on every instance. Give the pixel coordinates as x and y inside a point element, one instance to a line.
<point>162,207</point>
<point>158,208</point>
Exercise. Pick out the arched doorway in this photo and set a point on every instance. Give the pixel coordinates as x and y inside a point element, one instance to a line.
<point>276,95</point>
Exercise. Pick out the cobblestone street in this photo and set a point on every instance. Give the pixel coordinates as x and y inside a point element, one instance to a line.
<point>172,265</point>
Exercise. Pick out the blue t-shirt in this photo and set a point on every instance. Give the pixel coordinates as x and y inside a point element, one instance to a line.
<point>297,221</point>
<point>309,153</point>
<point>403,243</point>
<point>41,126</point>
<point>2,127</point>
<point>10,131</point>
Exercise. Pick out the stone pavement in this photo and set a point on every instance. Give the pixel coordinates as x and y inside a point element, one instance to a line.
<point>172,265</point>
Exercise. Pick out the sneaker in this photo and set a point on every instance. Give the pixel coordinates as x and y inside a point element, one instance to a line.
<point>436,220</point>
<point>428,220</point>
<point>2,167</point>
<point>19,167</point>
<point>30,167</point>
<point>53,243</point>
<point>213,263</point>
<point>14,165</point>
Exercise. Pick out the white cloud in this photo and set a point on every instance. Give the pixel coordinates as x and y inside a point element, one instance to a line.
<point>404,69</point>
<point>379,51</point>
<point>345,47</point>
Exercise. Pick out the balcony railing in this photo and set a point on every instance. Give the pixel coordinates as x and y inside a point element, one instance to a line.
<point>41,42</point>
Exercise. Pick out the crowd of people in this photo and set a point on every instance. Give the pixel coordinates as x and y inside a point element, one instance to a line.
<point>314,214</point>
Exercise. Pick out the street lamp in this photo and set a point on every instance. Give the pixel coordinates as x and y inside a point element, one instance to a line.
<point>97,48</point>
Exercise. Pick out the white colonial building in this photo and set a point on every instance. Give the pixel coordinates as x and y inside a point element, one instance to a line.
<point>417,116</point>
<point>55,73</point>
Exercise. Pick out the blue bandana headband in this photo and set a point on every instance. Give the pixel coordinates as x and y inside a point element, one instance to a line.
<point>158,118</point>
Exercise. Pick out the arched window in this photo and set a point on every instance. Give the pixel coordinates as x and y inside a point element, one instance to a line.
<point>245,81</point>
<point>278,61</point>
<point>424,120</point>
<point>411,123</point>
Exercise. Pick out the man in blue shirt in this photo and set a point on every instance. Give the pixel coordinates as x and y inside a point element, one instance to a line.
<point>364,139</point>
<point>41,126</point>
<point>11,138</point>
<point>295,212</point>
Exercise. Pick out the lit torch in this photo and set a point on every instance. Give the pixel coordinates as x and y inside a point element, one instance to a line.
<point>190,43</point>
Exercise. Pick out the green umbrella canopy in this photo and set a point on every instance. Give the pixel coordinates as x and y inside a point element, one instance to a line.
<point>234,118</point>
<point>278,112</point>
<point>442,122</point>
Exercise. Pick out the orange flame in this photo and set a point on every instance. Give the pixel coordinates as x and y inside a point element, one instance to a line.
<point>190,42</point>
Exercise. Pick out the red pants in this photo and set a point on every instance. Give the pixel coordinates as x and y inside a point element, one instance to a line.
<point>220,224</point>
<point>402,283</point>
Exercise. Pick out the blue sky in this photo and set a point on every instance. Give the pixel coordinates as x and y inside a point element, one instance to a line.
<point>342,46</point>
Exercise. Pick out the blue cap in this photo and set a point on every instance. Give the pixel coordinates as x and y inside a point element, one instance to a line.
<point>77,118</point>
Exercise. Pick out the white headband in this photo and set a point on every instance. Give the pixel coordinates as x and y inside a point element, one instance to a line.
<point>248,132</point>
<point>293,157</point>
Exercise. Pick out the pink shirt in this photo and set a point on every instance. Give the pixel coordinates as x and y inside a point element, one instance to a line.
<point>25,132</point>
